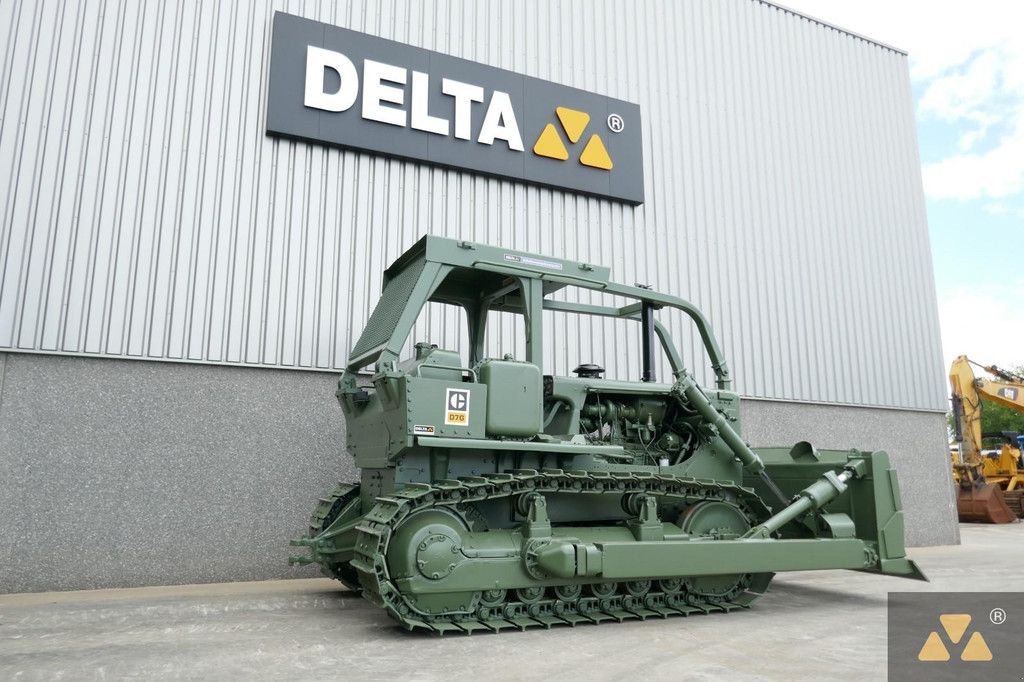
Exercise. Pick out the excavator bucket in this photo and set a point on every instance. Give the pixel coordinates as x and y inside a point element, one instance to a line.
<point>983,503</point>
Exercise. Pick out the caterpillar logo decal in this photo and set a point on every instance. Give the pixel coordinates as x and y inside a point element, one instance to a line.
<point>339,87</point>
<point>549,144</point>
<point>955,625</point>
<point>456,411</point>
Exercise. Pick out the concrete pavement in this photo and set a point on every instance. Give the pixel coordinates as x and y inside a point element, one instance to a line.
<point>829,624</point>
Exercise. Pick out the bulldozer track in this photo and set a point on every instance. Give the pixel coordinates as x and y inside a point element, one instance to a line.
<point>1015,501</point>
<point>327,509</point>
<point>497,610</point>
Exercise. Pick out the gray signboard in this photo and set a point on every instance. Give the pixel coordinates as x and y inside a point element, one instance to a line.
<point>340,87</point>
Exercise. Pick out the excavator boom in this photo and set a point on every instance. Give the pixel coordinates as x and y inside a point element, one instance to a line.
<point>978,499</point>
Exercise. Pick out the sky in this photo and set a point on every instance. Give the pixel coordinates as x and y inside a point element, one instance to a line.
<point>967,75</point>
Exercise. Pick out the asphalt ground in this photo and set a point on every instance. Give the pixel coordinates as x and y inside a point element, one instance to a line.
<point>809,626</point>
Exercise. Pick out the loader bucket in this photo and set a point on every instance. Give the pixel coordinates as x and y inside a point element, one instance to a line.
<point>982,503</point>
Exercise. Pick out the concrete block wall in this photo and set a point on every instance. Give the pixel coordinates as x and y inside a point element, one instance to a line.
<point>916,441</point>
<point>118,473</point>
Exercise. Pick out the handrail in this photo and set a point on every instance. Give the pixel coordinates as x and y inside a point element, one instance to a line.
<point>472,372</point>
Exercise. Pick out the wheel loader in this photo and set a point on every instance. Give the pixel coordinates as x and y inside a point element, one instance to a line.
<point>494,495</point>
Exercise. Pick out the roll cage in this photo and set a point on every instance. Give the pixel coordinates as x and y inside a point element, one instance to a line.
<point>483,278</point>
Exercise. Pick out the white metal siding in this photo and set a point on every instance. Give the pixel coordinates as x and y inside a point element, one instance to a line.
<point>145,213</point>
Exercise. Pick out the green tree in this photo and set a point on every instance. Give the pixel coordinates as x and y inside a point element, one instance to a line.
<point>999,418</point>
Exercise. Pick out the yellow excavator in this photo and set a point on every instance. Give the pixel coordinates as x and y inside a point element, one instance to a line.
<point>989,487</point>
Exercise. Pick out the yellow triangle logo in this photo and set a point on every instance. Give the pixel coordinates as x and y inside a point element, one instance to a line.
<point>574,122</point>
<point>549,144</point>
<point>955,625</point>
<point>933,649</point>
<point>595,155</point>
<point>976,649</point>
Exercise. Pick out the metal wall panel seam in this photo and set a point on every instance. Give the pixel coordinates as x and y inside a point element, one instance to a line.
<point>842,219</point>
<point>19,292</point>
<point>824,368</point>
<point>744,166</point>
<point>106,312</point>
<point>923,302</point>
<point>767,216</point>
<point>873,306</point>
<point>43,188</point>
<point>892,326</point>
<point>37,255</point>
<point>788,302</point>
<point>51,147</point>
<point>8,136</point>
<point>140,236</point>
<point>168,333</point>
<point>73,316</point>
<point>800,245</point>
<point>862,306</point>
<point>108,203</point>
<point>845,241</point>
<point>899,326</point>
<point>209,187</point>
<point>825,377</point>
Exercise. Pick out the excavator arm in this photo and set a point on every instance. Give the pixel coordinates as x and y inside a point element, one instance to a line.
<point>1008,392</point>
<point>978,500</point>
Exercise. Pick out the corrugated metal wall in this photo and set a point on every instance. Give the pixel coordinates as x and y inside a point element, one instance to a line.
<point>146,214</point>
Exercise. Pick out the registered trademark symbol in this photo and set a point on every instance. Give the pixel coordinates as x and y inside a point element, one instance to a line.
<point>615,123</point>
<point>997,616</point>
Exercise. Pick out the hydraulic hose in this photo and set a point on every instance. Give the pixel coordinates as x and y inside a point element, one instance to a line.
<point>688,392</point>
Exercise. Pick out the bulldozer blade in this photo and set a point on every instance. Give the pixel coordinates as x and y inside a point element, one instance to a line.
<point>983,504</point>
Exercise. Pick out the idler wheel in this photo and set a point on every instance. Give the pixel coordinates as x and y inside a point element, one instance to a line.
<point>427,544</point>
<point>338,500</point>
<point>714,520</point>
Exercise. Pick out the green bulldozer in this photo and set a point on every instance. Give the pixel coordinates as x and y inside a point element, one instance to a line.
<point>494,496</point>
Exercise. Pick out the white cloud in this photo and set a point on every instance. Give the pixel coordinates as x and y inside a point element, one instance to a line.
<point>997,174</point>
<point>985,324</point>
<point>975,97</point>
<point>969,58</point>
<point>938,34</point>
